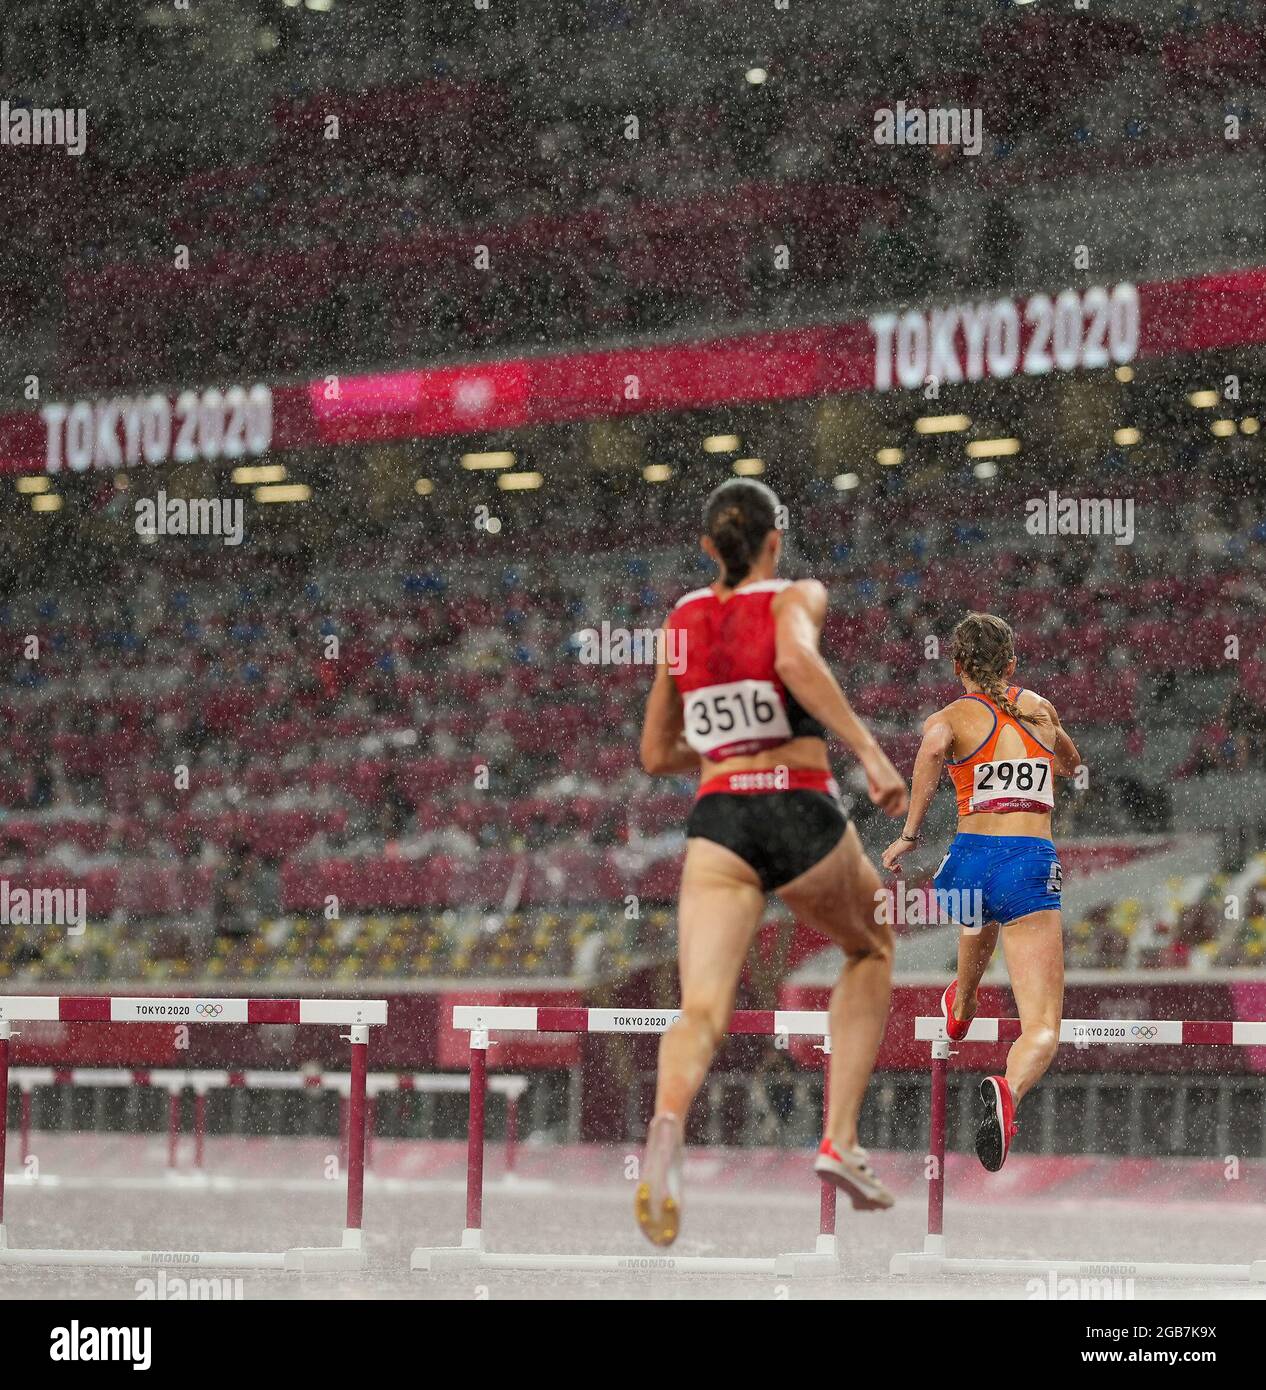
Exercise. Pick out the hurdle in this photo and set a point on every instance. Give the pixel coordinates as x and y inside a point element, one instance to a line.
<point>1134,1032</point>
<point>358,1015</point>
<point>202,1082</point>
<point>481,1022</point>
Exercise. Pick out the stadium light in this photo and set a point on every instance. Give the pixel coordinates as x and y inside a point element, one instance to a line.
<point>1222,428</point>
<point>519,482</point>
<point>283,492</point>
<point>1203,400</point>
<point>320,6</point>
<point>992,448</point>
<point>985,469</point>
<point>889,458</point>
<point>941,424</point>
<point>46,502</point>
<point>657,473</point>
<point>720,443</point>
<point>1124,373</point>
<point>1126,437</point>
<point>1249,425</point>
<point>260,473</point>
<point>38,483</point>
<point>424,487</point>
<point>756,76</point>
<point>749,468</point>
<point>845,482</point>
<point>497,458</point>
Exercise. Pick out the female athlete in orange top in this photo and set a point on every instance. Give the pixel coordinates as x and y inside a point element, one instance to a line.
<point>1004,746</point>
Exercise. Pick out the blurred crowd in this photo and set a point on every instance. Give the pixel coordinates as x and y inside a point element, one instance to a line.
<point>405,725</point>
<point>397,723</point>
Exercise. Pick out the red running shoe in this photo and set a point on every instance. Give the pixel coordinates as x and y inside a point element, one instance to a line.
<point>955,1029</point>
<point>997,1122</point>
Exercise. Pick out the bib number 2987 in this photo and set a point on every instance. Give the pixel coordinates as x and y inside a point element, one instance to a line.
<point>1026,779</point>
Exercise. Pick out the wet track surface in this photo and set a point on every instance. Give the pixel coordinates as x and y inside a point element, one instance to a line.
<point>557,1207</point>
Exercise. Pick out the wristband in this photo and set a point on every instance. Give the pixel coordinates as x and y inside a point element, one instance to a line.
<point>914,839</point>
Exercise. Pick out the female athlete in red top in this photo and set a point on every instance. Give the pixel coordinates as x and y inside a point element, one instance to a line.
<point>750,700</point>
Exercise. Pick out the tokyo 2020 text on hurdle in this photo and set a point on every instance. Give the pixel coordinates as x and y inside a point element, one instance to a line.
<point>480,1023</point>
<point>358,1015</point>
<point>1097,1032</point>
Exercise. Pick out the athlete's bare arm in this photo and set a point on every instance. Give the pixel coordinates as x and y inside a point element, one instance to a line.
<point>799,612</point>
<point>664,748</point>
<point>1066,757</point>
<point>938,740</point>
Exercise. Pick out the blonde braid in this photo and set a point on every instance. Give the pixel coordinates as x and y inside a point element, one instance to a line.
<point>984,646</point>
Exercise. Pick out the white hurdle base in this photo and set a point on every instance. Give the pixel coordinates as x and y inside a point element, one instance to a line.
<point>823,1260</point>
<point>934,1264</point>
<point>349,1257</point>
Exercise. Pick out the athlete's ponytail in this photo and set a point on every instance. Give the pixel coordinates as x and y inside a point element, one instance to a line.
<point>736,518</point>
<point>984,646</point>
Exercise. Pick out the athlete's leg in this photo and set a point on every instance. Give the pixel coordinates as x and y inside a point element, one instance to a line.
<point>719,910</point>
<point>975,951</point>
<point>1034,949</point>
<point>960,897</point>
<point>840,896</point>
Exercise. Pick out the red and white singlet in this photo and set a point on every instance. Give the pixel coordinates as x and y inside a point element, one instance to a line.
<point>733,702</point>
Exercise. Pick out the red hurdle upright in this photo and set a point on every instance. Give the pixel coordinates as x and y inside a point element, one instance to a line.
<point>358,1015</point>
<point>1098,1032</point>
<point>481,1022</point>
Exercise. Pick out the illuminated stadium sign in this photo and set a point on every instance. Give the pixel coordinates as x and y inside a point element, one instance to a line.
<point>969,342</point>
<point>122,432</point>
<point>1069,330</point>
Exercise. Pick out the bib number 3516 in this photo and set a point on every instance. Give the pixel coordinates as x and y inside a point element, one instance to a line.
<point>740,713</point>
<point>1013,779</point>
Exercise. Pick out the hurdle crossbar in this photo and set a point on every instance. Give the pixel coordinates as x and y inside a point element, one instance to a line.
<point>176,1083</point>
<point>1097,1032</point>
<point>357,1015</point>
<point>480,1022</point>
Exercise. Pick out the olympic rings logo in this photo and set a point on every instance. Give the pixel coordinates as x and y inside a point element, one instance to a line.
<point>209,1010</point>
<point>1146,1032</point>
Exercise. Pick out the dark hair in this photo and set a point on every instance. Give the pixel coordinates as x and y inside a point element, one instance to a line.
<point>737,517</point>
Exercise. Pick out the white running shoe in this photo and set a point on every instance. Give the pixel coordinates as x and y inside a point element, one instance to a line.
<point>851,1172</point>
<point>657,1203</point>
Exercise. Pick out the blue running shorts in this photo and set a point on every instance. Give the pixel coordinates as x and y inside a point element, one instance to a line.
<point>997,878</point>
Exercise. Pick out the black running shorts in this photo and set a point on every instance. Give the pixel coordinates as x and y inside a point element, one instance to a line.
<point>780,834</point>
